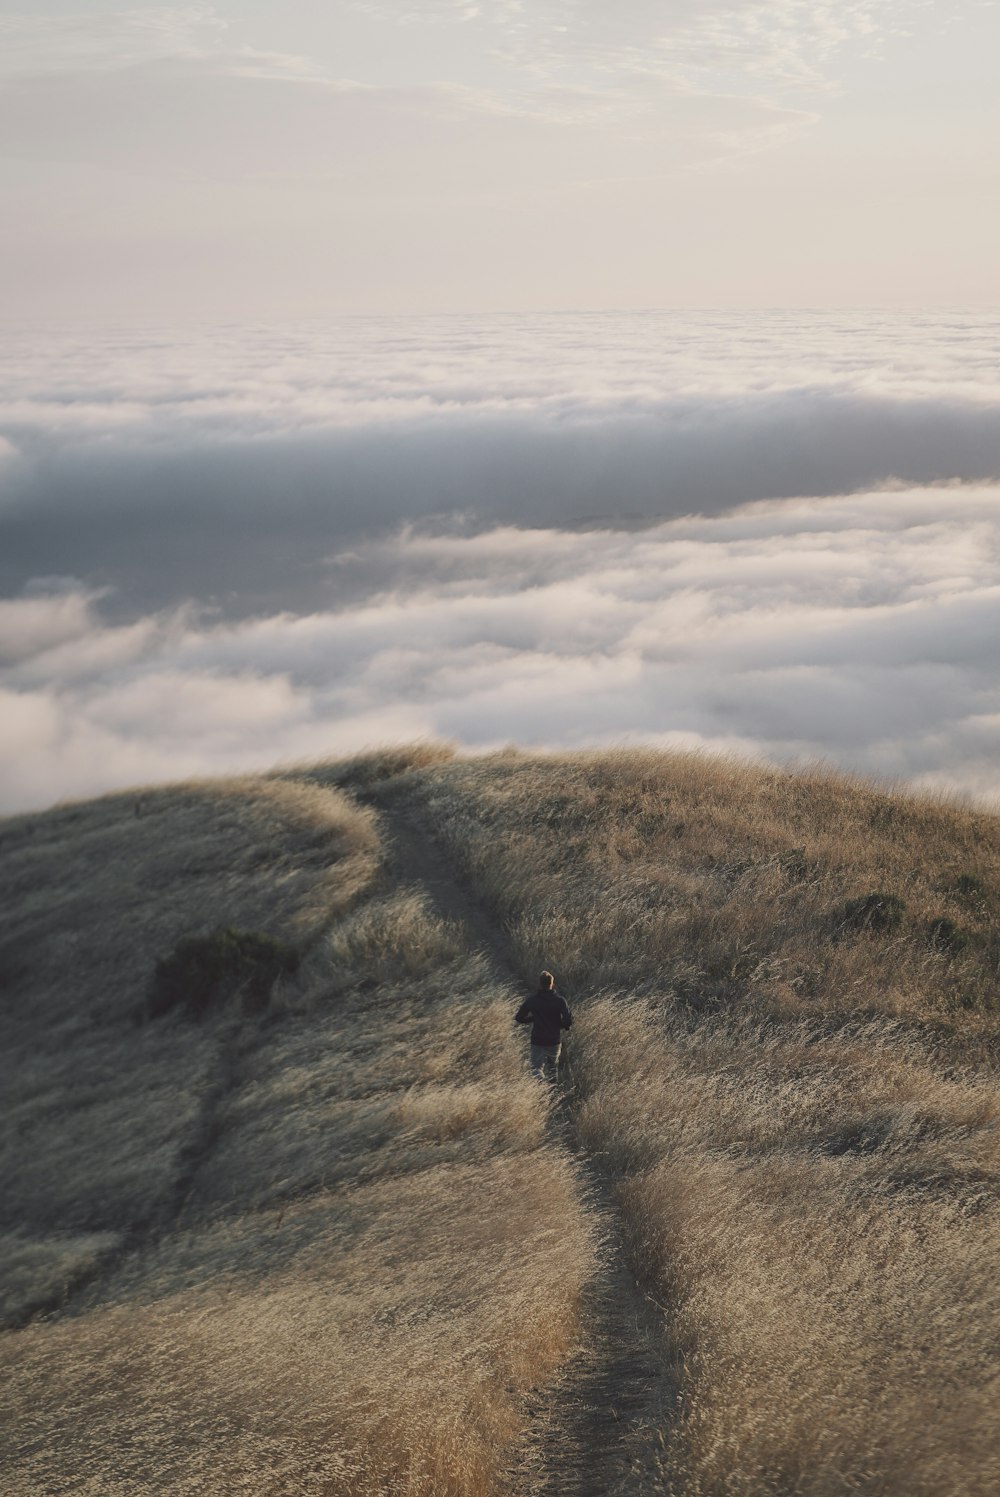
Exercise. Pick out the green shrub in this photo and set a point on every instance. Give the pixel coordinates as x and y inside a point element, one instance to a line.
<point>874,912</point>
<point>203,972</point>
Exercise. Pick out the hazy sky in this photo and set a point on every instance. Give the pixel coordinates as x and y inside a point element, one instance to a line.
<point>279,157</point>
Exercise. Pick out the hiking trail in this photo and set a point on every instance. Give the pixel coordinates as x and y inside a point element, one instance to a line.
<point>597,1430</point>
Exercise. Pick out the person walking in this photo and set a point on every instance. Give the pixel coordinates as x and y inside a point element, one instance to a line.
<point>547,1013</point>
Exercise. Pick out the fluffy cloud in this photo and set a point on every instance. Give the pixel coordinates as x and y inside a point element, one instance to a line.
<point>766,535</point>
<point>858,629</point>
<point>264,522</point>
<point>244,472</point>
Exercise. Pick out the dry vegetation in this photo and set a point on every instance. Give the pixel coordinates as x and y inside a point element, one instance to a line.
<point>264,1253</point>
<point>799,1104</point>
<point>285,1252</point>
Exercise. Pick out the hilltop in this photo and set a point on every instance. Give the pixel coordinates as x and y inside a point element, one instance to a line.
<point>285,1214</point>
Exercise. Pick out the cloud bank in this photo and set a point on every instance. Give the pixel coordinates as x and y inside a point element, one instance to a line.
<point>233,475</point>
<point>779,545</point>
<point>861,630</point>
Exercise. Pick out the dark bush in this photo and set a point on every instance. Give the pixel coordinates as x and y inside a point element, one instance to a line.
<point>858,1136</point>
<point>970,888</point>
<point>874,912</point>
<point>203,972</point>
<point>795,865</point>
<point>944,935</point>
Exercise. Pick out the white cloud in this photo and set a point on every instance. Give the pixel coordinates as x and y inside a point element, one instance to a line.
<point>221,500</point>
<point>34,626</point>
<point>867,639</point>
<point>288,378</point>
<point>309,540</point>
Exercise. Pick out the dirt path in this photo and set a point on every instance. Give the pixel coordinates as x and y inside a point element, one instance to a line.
<point>597,1431</point>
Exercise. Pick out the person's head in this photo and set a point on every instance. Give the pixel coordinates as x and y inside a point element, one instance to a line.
<point>546,980</point>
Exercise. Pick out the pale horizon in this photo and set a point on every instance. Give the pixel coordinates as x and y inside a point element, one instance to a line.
<point>277,161</point>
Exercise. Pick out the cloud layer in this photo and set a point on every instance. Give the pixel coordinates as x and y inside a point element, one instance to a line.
<point>861,630</point>
<point>583,533</point>
<point>234,474</point>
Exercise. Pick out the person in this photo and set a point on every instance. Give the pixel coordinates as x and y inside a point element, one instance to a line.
<point>548,1015</point>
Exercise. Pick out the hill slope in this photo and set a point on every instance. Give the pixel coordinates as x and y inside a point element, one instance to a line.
<point>278,1252</point>
<point>344,1244</point>
<point>788,1067</point>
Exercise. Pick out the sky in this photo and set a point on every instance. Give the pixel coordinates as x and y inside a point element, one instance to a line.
<point>296,158</point>
<point>539,371</point>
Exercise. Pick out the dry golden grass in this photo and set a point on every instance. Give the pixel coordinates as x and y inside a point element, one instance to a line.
<point>322,1250</point>
<point>803,1119</point>
<point>727,879</point>
<point>99,1108</point>
<point>287,1253</point>
<point>820,1217</point>
<point>369,1342</point>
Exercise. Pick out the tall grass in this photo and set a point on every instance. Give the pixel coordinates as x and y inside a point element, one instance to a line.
<point>800,1110</point>
<point>374,1340</point>
<point>330,1248</point>
<point>321,1249</point>
<point>728,882</point>
<point>101,1107</point>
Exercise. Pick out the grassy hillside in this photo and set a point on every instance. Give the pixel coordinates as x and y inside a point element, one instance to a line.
<point>793,1084</point>
<point>275,1251</point>
<point>335,1240</point>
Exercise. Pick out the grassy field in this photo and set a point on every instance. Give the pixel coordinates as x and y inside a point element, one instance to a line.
<point>793,1084</point>
<point>264,1252</point>
<point>283,1249</point>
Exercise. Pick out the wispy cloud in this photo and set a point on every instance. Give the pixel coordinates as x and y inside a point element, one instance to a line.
<point>33,44</point>
<point>785,44</point>
<point>587,94</point>
<point>421,154</point>
<point>260,117</point>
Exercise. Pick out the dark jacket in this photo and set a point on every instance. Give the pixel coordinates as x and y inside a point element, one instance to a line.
<point>547,1014</point>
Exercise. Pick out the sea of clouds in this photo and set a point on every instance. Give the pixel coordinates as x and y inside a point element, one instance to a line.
<point>774,534</point>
